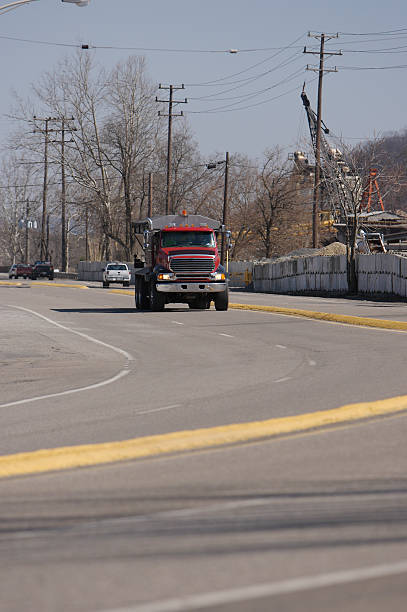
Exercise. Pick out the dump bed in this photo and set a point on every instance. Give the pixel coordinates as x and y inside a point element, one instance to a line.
<point>161,222</point>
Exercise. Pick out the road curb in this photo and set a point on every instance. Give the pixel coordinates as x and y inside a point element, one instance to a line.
<point>325,316</point>
<point>45,284</point>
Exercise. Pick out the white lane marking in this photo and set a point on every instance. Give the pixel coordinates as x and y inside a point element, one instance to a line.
<point>78,333</point>
<point>108,381</point>
<point>226,335</point>
<point>311,362</point>
<point>159,409</point>
<point>281,346</point>
<point>177,323</point>
<point>68,391</point>
<point>257,591</point>
<point>279,380</point>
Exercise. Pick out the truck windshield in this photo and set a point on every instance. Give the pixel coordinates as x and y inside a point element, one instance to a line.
<point>188,238</point>
<point>117,267</point>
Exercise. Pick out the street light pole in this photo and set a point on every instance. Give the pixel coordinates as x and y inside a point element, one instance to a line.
<point>225,216</point>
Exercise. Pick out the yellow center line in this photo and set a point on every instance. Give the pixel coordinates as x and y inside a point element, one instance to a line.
<point>69,457</point>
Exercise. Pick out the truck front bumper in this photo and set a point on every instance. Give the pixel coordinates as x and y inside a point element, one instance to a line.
<point>191,287</point>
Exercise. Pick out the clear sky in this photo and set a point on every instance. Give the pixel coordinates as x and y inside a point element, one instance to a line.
<point>254,96</point>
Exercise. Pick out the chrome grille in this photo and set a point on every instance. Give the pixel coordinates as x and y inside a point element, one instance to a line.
<point>192,266</point>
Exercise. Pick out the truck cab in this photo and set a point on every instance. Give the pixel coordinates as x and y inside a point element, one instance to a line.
<point>182,263</point>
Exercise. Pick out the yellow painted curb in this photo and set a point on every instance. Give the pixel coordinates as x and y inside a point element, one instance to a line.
<point>36,283</point>
<point>10,283</point>
<point>122,291</point>
<point>63,458</point>
<point>326,316</point>
<point>310,314</point>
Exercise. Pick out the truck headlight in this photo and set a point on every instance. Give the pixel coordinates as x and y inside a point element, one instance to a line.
<point>165,276</point>
<point>218,276</point>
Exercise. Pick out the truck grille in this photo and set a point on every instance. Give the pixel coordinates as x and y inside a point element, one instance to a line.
<point>192,266</point>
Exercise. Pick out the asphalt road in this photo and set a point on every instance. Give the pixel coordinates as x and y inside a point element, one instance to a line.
<point>305,522</point>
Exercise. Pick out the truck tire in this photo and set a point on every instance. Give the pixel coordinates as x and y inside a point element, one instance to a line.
<point>141,297</point>
<point>157,299</point>
<point>222,300</point>
<point>105,284</point>
<point>126,284</point>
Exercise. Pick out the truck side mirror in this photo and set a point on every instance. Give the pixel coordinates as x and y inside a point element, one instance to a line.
<point>146,244</point>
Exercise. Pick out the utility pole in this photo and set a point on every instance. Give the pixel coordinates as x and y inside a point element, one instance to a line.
<point>170,115</point>
<point>47,243</point>
<point>225,217</point>
<point>86,232</point>
<point>27,213</point>
<point>65,128</point>
<point>45,131</point>
<point>317,180</point>
<point>150,194</point>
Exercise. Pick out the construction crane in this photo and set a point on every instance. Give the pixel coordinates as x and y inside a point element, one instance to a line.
<point>339,186</point>
<point>350,202</point>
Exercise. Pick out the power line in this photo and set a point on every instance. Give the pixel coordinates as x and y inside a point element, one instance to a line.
<point>214,81</point>
<point>252,94</point>
<point>130,48</point>
<point>399,66</point>
<point>373,33</point>
<point>228,109</point>
<point>248,81</point>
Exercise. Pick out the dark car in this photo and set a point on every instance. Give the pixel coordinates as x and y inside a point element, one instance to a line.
<point>43,269</point>
<point>20,269</point>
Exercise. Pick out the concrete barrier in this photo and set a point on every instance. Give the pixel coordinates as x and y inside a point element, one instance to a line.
<point>379,273</point>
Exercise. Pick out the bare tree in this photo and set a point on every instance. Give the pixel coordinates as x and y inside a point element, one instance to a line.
<point>131,134</point>
<point>17,197</point>
<point>275,194</point>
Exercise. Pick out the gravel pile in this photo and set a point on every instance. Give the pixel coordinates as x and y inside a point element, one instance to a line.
<point>335,248</point>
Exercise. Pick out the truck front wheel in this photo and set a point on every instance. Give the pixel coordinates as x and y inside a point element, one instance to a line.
<point>222,300</point>
<point>142,300</point>
<point>157,299</point>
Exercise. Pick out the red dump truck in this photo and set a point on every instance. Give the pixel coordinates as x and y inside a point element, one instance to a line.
<point>182,262</point>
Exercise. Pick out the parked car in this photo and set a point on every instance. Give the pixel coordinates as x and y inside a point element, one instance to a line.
<point>20,269</point>
<point>43,269</point>
<point>116,272</point>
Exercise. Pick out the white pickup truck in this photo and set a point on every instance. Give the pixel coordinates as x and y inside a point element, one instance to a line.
<point>116,272</point>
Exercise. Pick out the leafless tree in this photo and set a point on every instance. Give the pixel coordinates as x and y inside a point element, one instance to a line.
<point>275,194</point>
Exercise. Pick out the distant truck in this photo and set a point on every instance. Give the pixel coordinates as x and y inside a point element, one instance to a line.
<point>182,263</point>
<point>42,269</point>
<point>116,272</point>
